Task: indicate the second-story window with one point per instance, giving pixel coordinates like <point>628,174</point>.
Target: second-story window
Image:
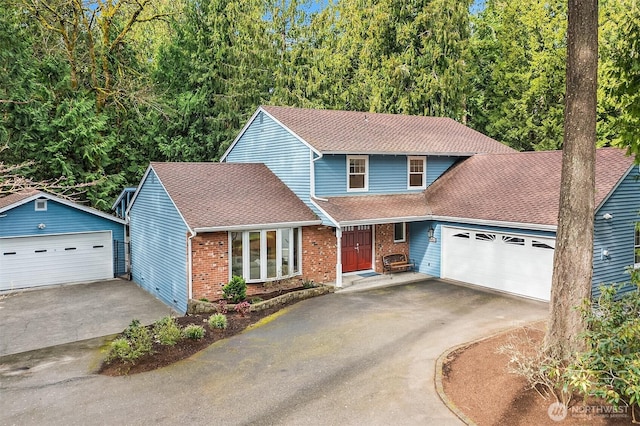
<point>357,179</point>
<point>417,176</point>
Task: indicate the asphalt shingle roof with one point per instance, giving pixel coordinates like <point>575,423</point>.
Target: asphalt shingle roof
<point>520,187</point>
<point>10,199</point>
<point>331,131</point>
<point>230,194</point>
<point>375,207</point>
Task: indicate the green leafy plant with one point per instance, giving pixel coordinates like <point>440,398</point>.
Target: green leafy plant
<point>193,332</point>
<point>610,368</point>
<point>136,342</point>
<point>243,308</point>
<point>308,284</point>
<point>166,331</point>
<point>235,290</point>
<point>218,321</point>
<point>255,300</point>
<point>203,299</point>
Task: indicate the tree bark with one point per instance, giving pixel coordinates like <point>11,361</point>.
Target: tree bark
<point>573,261</point>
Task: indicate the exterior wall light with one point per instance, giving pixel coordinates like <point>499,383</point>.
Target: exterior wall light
<point>42,226</point>
<point>607,216</point>
<point>431,232</point>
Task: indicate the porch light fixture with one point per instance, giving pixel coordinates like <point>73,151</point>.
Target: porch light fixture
<point>431,232</point>
<point>42,226</point>
<point>607,216</point>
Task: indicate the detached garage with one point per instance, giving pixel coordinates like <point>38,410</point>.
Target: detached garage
<point>46,240</point>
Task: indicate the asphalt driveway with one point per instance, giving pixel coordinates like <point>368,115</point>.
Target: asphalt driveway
<point>351,359</point>
<point>39,318</point>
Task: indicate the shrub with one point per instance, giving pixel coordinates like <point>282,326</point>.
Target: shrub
<point>203,299</point>
<point>193,332</point>
<point>255,300</point>
<point>136,342</point>
<point>308,284</point>
<point>167,331</point>
<point>218,321</point>
<point>235,290</point>
<point>222,307</point>
<point>610,368</point>
<point>243,308</point>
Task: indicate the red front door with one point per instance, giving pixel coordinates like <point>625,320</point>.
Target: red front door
<point>356,248</point>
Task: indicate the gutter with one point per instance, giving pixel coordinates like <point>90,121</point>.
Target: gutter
<point>255,226</point>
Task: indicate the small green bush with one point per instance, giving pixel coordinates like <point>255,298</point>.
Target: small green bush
<point>136,342</point>
<point>308,284</point>
<point>255,300</point>
<point>203,299</point>
<point>218,321</point>
<point>166,331</point>
<point>235,290</point>
<point>193,332</point>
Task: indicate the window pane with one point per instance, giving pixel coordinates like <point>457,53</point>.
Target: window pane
<point>357,165</point>
<point>272,267</point>
<point>416,166</point>
<point>356,181</point>
<point>398,231</point>
<point>415,179</point>
<point>254,255</point>
<point>236,254</point>
<point>286,234</point>
<point>296,260</point>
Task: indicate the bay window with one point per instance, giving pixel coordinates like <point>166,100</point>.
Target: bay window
<point>265,255</point>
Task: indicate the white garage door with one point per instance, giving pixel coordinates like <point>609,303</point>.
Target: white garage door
<point>55,259</point>
<point>518,264</point>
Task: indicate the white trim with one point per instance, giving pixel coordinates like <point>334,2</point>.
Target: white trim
<point>71,204</point>
<point>251,120</point>
<point>418,153</point>
<point>366,172</point>
<point>190,265</point>
<point>339,257</point>
<point>331,219</point>
<point>519,225</point>
<point>424,171</point>
<point>57,234</point>
<point>404,232</point>
<point>382,220</point>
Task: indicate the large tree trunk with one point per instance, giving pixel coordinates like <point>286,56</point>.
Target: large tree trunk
<point>573,262</point>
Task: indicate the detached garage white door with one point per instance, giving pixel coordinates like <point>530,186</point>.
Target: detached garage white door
<point>55,259</point>
<point>513,263</point>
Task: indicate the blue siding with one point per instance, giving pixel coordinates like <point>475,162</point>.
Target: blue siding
<point>387,174</point>
<point>58,218</point>
<point>265,141</point>
<point>436,166</point>
<point>428,255</point>
<point>617,234</point>
<point>159,245</point>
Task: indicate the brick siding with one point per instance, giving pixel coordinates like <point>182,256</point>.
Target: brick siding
<point>319,254</point>
<point>385,244</point>
<point>210,264</point>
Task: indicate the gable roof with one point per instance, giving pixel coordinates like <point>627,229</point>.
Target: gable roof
<point>219,196</point>
<point>347,132</point>
<point>12,201</point>
<point>521,188</point>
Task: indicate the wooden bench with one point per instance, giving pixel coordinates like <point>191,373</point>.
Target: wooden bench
<point>396,262</point>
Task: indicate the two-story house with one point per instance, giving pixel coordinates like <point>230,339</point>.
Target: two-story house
<point>319,194</point>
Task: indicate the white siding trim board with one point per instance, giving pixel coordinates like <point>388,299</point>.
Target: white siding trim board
<point>252,227</point>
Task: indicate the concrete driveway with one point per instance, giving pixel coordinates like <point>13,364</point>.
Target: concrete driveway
<point>39,318</point>
<point>352,359</point>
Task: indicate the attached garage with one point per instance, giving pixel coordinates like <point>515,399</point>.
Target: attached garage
<point>45,240</point>
<point>55,259</point>
<point>514,263</point>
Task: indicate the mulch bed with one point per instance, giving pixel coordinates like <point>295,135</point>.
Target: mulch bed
<point>476,380</point>
<point>163,355</point>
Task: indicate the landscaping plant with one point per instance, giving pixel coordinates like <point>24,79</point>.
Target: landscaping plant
<point>235,290</point>
<point>193,332</point>
<point>218,321</point>
<point>243,308</point>
<point>166,331</point>
<point>136,342</point>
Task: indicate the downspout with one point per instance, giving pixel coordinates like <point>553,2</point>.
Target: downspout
<point>190,264</point>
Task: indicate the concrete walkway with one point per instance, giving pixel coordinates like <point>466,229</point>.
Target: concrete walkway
<point>39,318</point>
<point>349,358</point>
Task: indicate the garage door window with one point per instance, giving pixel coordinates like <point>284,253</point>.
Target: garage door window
<point>516,241</point>
<point>540,244</point>
<point>485,237</point>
